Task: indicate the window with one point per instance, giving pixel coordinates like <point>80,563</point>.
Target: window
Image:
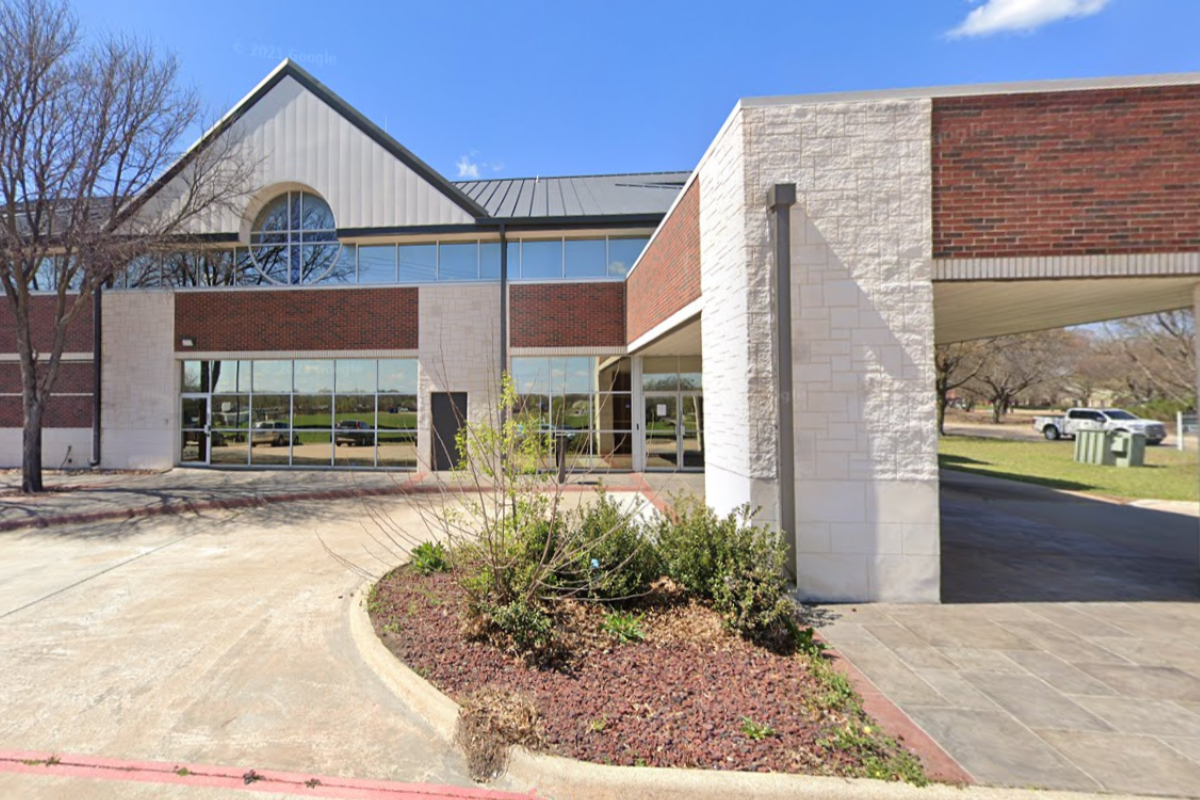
<point>550,259</point>
<point>294,240</point>
<point>584,401</point>
<point>303,412</point>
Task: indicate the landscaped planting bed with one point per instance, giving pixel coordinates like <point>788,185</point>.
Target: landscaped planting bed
<point>690,693</point>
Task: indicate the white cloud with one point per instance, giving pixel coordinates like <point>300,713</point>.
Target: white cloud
<point>995,16</point>
<point>466,167</point>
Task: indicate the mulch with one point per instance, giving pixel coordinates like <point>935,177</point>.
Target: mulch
<point>677,699</point>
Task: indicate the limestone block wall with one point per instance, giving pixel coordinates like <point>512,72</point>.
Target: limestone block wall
<point>459,351</point>
<point>140,402</point>
<point>69,448</point>
<point>739,398</point>
<point>862,338</point>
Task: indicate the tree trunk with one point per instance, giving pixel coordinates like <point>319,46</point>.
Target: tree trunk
<point>31,454</point>
<point>997,411</point>
<point>941,414</point>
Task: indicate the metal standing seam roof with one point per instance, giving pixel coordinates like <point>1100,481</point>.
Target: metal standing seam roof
<point>576,195</point>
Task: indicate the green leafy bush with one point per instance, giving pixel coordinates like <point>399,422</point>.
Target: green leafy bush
<point>615,560</point>
<point>732,563</point>
<point>430,557</point>
<point>529,627</point>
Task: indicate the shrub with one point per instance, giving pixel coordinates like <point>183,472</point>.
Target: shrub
<point>737,566</point>
<point>615,561</point>
<point>529,627</point>
<point>430,557</point>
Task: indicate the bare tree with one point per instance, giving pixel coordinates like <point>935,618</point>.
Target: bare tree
<point>1018,364</point>
<point>1161,348</point>
<point>957,364</point>
<point>87,134</point>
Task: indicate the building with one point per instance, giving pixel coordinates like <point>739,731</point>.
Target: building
<point>768,318</point>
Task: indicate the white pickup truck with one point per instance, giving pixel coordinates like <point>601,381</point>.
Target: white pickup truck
<point>1103,419</point>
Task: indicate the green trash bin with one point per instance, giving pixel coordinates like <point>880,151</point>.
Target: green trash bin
<point>1094,447</point>
<point>1129,449</point>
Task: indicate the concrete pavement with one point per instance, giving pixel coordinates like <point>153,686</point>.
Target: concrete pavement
<point>1067,655</point>
<point>216,638</point>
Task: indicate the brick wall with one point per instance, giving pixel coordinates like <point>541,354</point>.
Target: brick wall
<point>62,411</point>
<point>79,334</point>
<point>567,314</point>
<point>668,276</point>
<point>350,319</point>
<point>1067,173</point>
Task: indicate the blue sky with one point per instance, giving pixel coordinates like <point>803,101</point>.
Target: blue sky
<point>511,89</point>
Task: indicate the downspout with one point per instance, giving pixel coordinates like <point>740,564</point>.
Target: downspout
<point>503,301</point>
<point>97,373</point>
<point>780,199</point>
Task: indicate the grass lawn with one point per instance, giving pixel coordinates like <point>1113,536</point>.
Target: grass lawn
<point>1168,474</point>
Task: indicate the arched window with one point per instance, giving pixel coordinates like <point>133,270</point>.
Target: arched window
<point>294,240</point>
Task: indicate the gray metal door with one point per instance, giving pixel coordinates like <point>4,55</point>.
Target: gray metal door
<point>449,413</point>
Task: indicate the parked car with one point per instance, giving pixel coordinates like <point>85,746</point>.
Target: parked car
<point>1104,419</point>
<point>274,433</point>
<point>355,433</point>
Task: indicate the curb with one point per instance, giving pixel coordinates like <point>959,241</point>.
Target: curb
<point>568,779</point>
<point>195,506</point>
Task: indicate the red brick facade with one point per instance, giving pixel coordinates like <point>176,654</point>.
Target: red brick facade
<point>1067,173</point>
<point>668,276</point>
<point>345,319</point>
<point>567,314</point>
<point>42,307</point>
<point>62,411</point>
<point>74,377</point>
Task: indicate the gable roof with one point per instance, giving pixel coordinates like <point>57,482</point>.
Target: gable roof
<point>624,195</point>
<point>289,69</point>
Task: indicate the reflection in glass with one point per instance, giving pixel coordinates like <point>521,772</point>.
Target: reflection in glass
<point>355,376</point>
<point>312,448</point>
<point>229,447</point>
<point>397,412</point>
<point>231,411</point>
<point>358,409</point>
<point>660,374</point>
<point>623,254</point>
<point>417,263</point>
<point>272,376</point>
<point>458,261</point>
<point>377,264</point>
<point>273,408</point>
<point>585,258</point>
<point>540,259</point>
<point>398,375</point>
<point>312,411</point>
<point>489,260</point>
<point>314,376</point>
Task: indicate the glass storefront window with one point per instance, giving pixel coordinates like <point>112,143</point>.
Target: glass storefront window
<point>280,412</point>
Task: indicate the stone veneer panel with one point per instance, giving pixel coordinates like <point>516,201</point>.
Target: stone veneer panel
<point>459,352</point>
<point>862,337</point>
<point>140,401</point>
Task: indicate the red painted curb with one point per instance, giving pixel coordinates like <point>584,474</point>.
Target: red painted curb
<point>211,776</point>
<point>938,764</point>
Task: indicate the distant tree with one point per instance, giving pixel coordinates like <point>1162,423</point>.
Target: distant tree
<point>957,364</point>
<point>86,130</point>
<point>1161,350</point>
<point>1019,364</point>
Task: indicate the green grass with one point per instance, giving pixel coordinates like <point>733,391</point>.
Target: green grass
<point>1168,474</point>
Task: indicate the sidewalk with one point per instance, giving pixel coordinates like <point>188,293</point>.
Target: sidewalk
<point>84,496</point>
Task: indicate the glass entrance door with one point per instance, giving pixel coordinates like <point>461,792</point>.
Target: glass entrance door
<point>674,423</point>
<point>195,427</point>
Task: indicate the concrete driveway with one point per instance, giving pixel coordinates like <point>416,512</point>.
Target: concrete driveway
<point>219,638</point>
<point>1067,652</point>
